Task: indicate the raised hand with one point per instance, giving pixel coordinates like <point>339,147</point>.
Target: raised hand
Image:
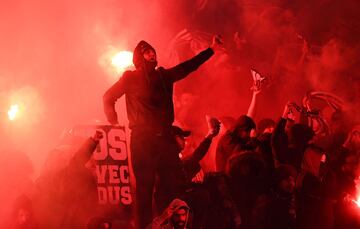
<point>289,111</point>
<point>97,136</point>
<point>258,81</point>
<point>213,126</point>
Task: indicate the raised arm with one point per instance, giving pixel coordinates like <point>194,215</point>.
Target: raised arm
<point>279,141</point>
<point>222,154</point>
<point>258,81</point>
<point>82,156</point>
<point>191,163</point>
<point>161,219</point>
<point>180,71</point>
<point>253,104</point>
<point>111,96</point>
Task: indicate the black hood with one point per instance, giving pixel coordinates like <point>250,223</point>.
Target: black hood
<point>138,58</point>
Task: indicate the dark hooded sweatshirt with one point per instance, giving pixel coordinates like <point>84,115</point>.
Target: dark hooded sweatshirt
<point>149,92</point>
<point>164,221</point>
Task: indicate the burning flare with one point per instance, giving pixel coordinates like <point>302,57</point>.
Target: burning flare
<point>122,60</point>
<point>13,112</point>
<point>357,201</point>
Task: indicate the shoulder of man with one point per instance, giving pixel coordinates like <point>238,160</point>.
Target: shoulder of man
<point>129,75</point>
<point>161,69</point>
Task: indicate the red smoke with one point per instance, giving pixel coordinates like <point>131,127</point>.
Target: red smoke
<point>50,54</point>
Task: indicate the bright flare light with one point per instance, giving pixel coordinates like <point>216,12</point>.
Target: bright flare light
<point>13,112</point>
<point>122,60</point>
<point>357,185</point>
<point>357,202</point>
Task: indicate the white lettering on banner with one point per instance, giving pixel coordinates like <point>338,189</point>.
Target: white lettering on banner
<point>117,174</point>
<point>124,174</point>
<point>102,195</point>
<point>116,138</point>
<point>100,173</point>
<point>113,178</point>
<point>126,194</point>
<point>117,149</point>
<point>112,169</point>
<point>114,195</point>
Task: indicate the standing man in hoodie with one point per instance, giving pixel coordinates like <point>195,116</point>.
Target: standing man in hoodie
<point>150,110</point>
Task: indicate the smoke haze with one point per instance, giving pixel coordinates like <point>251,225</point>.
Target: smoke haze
<point>52,63</point>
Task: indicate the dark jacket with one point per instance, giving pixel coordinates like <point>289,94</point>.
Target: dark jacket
<point>189,168</point>
<point>274,211</point>
<point>70,192</point>
<point>149,94</point>
<point>191,163</point>
<point>164,221</point>
<point>223,212</point>
<point>228,145</point>
<point>284,152</point>
<point>79,193</point>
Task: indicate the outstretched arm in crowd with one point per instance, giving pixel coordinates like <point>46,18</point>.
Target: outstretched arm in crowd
<point>161,219</point>
<point>191,163</point>
<point>85,152</point>
<point>77,179</point>
<point>180,71</point>
<point>253,104</point>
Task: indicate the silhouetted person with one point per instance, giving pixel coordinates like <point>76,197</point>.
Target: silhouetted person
<point>23,215</point>
<point>193,193</point>
<point>70,191</point>
<point>149,93</point>
<point>190,164</point>
<point>289,147</point>
<point>277,208</point>
<point>344,171</point>
<point>235,140</point>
